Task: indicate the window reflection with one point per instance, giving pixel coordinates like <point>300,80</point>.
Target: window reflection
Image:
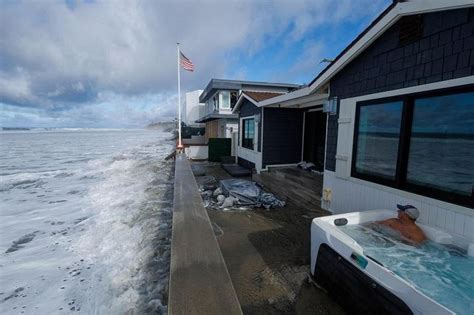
<point>378,139</point>
<point>442,143</point>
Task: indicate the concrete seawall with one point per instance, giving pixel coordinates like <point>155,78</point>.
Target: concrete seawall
<point>199,280</point>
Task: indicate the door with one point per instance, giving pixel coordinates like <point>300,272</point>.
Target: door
<point>314,138</point>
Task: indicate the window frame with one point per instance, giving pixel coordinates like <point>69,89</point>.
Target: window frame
<point>400,181</point>
<point>243,143</point>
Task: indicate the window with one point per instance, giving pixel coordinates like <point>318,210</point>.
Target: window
<point>224,99</point>
<point>248,133</point>
<point>419,143</point>
<point>441,154</point>
<point>378,134</point>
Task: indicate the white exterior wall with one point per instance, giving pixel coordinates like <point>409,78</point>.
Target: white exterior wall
<point>194,109</point>
<point>226,127</point>
<point>348,194</point>
<point>247,154</point>
<point>197,152</point>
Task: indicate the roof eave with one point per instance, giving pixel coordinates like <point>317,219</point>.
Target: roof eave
<point>390,16</point>
<point>285,97</point>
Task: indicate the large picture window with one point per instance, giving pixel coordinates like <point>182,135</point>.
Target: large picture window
<point>419,143</point>
<point>248,133</point>
<point>378,134</point>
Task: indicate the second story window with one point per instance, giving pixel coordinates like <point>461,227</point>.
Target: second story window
<point>224,99</point>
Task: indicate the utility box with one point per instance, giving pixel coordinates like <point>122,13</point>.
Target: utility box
<point>219,147</point>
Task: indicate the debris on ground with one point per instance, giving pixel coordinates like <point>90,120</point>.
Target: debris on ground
<point>237,193</point>
<point>307,166</point>
<point>207,183</point>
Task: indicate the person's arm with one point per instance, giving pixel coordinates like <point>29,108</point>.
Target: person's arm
<point>388,222</point>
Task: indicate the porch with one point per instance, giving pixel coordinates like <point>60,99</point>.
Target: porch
<point>294,185</point>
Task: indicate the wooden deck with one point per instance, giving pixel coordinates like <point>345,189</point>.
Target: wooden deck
<point>199,280</point>
<point>302,188</point>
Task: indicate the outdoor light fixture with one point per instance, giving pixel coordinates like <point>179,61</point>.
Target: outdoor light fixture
<point>330,106</point>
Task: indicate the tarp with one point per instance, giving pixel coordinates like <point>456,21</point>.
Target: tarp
<point>249,193</point>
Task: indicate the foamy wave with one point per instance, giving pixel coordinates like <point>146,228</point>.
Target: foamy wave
<point>123,243</point>
<point>90,235</point>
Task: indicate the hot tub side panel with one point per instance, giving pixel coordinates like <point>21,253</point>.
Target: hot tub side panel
<point>351,288</point>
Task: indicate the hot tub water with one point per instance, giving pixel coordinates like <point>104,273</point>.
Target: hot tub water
<point>443,272</point>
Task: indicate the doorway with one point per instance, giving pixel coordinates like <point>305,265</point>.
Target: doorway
<point>315,138</point>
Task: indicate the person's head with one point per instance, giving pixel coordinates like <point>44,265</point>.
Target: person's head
<point>408,212</point>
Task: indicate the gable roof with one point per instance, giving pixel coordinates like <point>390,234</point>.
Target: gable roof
<point>221,84</point>
<point>254,98</point>
<point>384,21</point>
<point>261,96</point>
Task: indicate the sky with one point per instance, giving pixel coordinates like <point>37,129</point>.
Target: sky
<point>112,64</point>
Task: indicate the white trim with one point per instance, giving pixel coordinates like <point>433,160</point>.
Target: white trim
<point>289,96</point>
<point>248,154</point>
<point>414,196</point>
<point>319,109</point>
<point>302,138</point>
<point>401,9</point>
<point>345,141</point>
<point>278,165</point>
<point>255,135</point>
<point>326,142</point>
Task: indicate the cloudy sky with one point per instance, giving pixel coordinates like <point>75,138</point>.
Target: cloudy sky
<point>113,63</point>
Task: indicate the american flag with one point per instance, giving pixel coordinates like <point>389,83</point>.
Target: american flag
<point>185,62</point>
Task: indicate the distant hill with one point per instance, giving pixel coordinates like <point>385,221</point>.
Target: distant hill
<point>165,126</point>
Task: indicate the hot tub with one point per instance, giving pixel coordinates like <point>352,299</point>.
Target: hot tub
<point>362,282</point>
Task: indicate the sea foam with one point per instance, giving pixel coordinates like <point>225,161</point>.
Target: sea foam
<point>88,228</point>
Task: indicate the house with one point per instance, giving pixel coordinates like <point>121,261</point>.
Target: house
<point>394,112</point>
<point>220,97</point>
<point>275,133</point>
<point>194,109</point>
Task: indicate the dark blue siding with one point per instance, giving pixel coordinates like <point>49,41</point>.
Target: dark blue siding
<point>445,50</point>
<point>282,136</point>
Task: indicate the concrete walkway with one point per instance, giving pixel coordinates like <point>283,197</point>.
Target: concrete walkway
<point>199,280</point>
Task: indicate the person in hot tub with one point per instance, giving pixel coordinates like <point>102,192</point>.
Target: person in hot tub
<point>405,224</point>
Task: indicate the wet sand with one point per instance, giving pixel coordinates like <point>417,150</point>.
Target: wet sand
<point>267,256</point>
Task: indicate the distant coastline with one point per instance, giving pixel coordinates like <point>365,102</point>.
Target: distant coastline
<point>15,128</point>
<point>165,126</point>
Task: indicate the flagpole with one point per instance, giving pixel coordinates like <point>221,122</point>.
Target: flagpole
<point>180,145</point>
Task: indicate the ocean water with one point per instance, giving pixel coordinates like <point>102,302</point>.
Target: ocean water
<point>85,221</point>
<point>444,273</point>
